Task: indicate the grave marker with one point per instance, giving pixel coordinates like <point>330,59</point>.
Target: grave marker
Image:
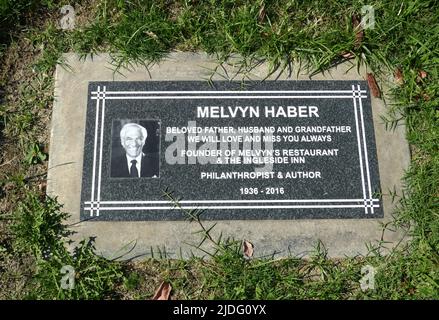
<point>268,150</point>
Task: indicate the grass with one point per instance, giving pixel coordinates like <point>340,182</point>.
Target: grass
<point>316,33</point>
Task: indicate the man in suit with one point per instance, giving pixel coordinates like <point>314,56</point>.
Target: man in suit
<point>134,163</point>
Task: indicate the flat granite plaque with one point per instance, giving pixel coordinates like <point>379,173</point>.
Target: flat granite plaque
<point>236,150</point>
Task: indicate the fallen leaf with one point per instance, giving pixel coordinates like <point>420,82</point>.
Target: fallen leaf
<point>45,149</point>
<point>248,249</point>
<point>8,186</point>
<point>422,74</point>
<point>359,36</point>
<point>399,78</point>
<point>163,292</point>
<point>151,34</point>
<point>261,15</point>
<point>355,20</point>
<point>347,55</point>
<point>426,97</point>
<point>42,187</point>
<point>373,85</point>
<point>359,32</point>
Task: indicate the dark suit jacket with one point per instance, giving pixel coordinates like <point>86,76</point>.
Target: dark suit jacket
<point>149,166</point>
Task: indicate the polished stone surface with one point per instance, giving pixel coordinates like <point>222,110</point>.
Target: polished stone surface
<point>330,175</point>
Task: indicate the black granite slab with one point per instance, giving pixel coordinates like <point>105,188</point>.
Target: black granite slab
<point>332,174</point>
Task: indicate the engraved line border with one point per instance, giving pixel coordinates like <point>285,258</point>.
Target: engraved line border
<point>360,156</point>
<point>94,152</point>
<point>366,159</point>
<point>233,201</point>
<point>103,97</point>
<point>230,207</point>
<point>221,97</point>
<point>228,92</point>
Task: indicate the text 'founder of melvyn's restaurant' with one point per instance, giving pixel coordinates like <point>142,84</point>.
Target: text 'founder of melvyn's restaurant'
<point>257,111</point>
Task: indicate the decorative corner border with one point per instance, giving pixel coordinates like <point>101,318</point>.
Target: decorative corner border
<point>95,205</point>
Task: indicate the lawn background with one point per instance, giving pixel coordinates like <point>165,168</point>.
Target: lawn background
<point>403,42</point>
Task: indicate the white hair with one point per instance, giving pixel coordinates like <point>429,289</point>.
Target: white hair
<point>126,126</point>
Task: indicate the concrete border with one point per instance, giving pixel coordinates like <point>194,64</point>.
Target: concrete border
<point>136,239</point>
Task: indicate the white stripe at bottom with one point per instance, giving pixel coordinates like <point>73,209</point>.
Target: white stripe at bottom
<point>229,207</point>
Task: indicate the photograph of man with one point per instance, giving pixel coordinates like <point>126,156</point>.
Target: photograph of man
<point>133,163</point>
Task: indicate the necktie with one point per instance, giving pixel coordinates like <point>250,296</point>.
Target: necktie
<point>133,170</point>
